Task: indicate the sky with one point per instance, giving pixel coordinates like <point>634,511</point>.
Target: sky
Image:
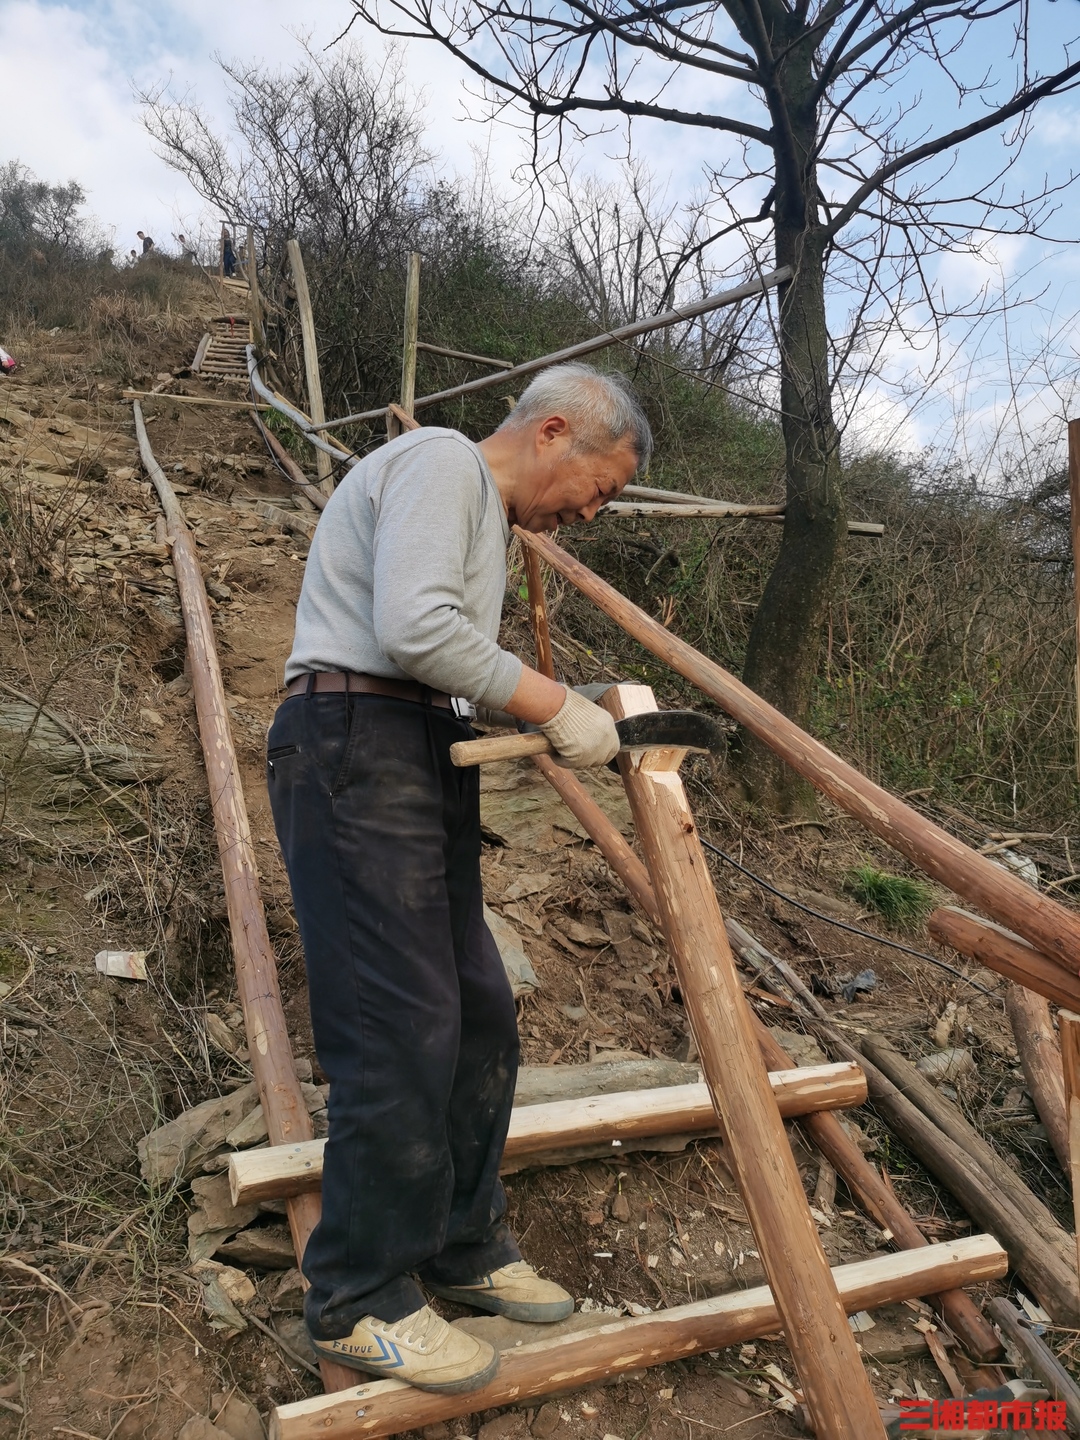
<point>70,70</point>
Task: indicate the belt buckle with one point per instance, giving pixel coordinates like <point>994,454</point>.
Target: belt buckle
<point>462,708</point>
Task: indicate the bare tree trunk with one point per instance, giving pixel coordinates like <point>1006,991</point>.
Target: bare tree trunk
<point>785,639</point>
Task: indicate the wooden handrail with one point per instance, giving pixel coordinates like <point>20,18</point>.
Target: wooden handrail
<point>287,1118</point>
<point>1047,925</point>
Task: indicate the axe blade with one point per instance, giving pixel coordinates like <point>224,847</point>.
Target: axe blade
<point>684,729</point>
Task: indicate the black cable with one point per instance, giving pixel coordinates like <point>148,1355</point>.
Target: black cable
<point>842,924</point>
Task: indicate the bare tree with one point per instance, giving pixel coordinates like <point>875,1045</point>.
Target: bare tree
<point>826,137</point>
<point>630,251</point>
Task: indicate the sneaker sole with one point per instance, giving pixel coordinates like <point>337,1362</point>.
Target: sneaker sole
<point>449,1387</point>
<point>529,1312</point>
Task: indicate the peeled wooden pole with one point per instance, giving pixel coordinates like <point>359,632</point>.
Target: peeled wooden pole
<point>388,1407</point>
<point>287,1118</point>
<point>412,320</point>
<point>959,1310</point>
<point>950,1121</point>
<point>311,360</point>
<point>1002,951</point>
<point>271,1174</point>
<point>292,470</point>
<point>1070,1059</point>
<point>534,581</point>
<point>1038,1356</point>
<point>1040,1057</point>
<point>836,1387</point>
<point>577,799</point>
<point>1039,1249</point>
<point>258,333</point>
<point>1051,928</point>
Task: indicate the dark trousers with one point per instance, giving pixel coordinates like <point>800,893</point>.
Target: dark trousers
<point>411,1009</point>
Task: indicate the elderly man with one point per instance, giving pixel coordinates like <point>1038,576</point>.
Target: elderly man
<point>414,1024</point>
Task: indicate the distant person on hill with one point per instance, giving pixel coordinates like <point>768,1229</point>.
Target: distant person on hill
<point>187,250</point>
<point>228,255</point>
<point>147,242</point>
<point>133,256</point>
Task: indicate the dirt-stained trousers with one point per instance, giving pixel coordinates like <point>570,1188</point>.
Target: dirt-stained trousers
<point>412,1014</point>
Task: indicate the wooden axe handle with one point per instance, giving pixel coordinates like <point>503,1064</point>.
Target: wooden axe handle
<point>499,747</point>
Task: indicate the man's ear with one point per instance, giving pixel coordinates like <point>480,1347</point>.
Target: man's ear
<point>555,427</point>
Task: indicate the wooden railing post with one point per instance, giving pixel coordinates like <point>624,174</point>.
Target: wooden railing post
<point>407,402</point>
<point>258,332</point>
<point>834,1383</point>
<point>313,380</point>
<point>1069,1027</point>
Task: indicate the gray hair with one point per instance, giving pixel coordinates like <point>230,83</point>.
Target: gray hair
<point>602,409</point>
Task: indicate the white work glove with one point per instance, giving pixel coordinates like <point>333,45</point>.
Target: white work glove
<point>582,734</point>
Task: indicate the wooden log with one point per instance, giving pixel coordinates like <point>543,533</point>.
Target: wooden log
<point>272,1062</point>
<point>312,377</point>
<point>667,497</point>
<point>255,312</point>
<point>719,510</point>
<point>1045,1265</point>
<point>544,1084</point>
<point>1036,1354</point>
<point>1048,926</point>
<point>1070,1061</point>
<point>836,1388</point>
<point>603,833</point>
<point>947,1117</point>
<point>200,353</point>
<point>693,510</point>
<point>1002,951</point>
<point>296,521</point>
<point>534,1129</point>
<point>389,1407</point>
<point>403,420</point>
<point>1040,1057</point>
<point>589,347</point>
<point>538,616</point>
<point>195,400</point>
<point>464,355</point>
<point>408,348</point>
<point>292,470</point>
<point>958,1310</point>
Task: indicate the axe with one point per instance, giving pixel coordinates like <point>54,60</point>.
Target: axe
<point>672,729</point>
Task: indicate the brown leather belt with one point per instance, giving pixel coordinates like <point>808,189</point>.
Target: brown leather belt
<point>343,682</point>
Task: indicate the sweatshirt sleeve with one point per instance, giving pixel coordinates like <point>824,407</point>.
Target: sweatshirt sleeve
<point>428,512</point>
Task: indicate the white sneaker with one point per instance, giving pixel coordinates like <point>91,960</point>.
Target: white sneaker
<point>515,1291</point>
<point>421,1349</point>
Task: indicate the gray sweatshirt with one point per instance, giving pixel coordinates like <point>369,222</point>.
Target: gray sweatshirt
<point>407,571</point>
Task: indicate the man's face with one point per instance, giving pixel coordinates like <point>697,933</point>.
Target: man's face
<point>564,487</point>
